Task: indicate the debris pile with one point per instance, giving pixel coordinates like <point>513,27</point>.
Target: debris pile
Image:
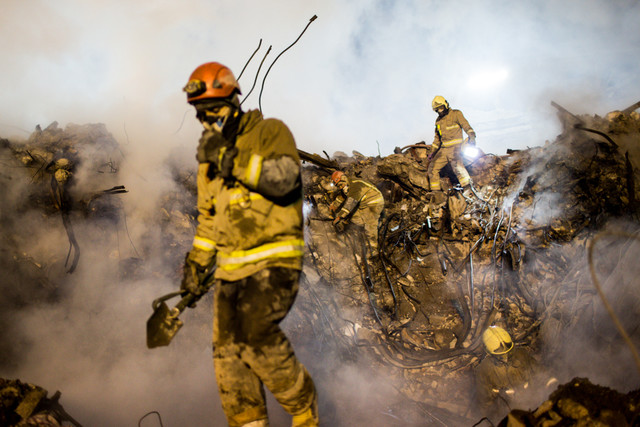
<point>511,252</point>
<point>580,402</point>
<point>23,404</point>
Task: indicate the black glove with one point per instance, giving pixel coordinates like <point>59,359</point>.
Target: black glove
<point>472,141</point>
<point>192,275</point>
<point>219,152</point>
<point>210,145</point>
<point>226,163</point>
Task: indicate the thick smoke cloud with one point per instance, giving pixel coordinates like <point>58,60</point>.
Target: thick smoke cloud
<point>361,77</point>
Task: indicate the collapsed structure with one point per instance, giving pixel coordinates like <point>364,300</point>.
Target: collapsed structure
<point>514,253</point>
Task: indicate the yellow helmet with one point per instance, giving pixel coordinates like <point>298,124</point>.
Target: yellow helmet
<point>439,101</point>
<point>496,340</point>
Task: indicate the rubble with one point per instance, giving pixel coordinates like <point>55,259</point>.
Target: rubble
<point>23,404</point>
<point>580,402</point>
<point>512,252</point>
<point>503,255</point>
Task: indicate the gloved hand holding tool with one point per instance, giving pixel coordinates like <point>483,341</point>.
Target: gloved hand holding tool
<point>164,324</point>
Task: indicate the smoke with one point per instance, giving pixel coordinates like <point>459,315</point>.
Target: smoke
<point>360,78</point>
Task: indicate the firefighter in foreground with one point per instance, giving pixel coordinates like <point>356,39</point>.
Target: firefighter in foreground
<point>358,202</point>
<point>448,143</point>
<point>250,228</point>
<point>504,373</point>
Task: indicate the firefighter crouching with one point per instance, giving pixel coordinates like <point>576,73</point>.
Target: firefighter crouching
<point>357,202</point>
<point>250,227</point>
<point>448,143</point>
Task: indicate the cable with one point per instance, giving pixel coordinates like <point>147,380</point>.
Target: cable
<point>256,77</point>
<point>149,413</point>
<point>249,60</point>
<point>313,18</point>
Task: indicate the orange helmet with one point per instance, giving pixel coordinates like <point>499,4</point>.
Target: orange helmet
<point>335,177</point>
<point>211,80</point>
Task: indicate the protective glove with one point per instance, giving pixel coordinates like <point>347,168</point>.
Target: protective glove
<point>472,141</point>
<point>226,163</point>
<point>339,224</point>
<point>209,147</point>
<point>219,152</point>
<point>192,275</point>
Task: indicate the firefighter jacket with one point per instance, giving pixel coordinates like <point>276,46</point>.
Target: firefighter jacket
<point>255,221</point>
<point>449,129</point>
<point>360,195</point>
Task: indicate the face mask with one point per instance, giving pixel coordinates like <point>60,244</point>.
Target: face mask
<point>215,118</point>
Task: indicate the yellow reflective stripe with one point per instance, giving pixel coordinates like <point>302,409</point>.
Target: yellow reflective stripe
<point>239,196</point>
<point>221,154</point>
<point>452,142</point>
<point>237,259</point>
<point>253,171</point>
<point>204,244</point>
<point>376,199</point>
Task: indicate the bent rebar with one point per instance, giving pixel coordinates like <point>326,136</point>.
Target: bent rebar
<point>313,18</point>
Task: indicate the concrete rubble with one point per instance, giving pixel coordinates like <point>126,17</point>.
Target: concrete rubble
<point>514,252</point>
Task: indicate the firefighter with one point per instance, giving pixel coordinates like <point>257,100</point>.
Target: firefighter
<point>504,373</point>
<point>357,202</point>
<point>448,143</point>
<point>250,228</point>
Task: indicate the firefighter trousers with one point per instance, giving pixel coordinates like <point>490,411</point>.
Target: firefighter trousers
<point>453,156</point>
<point>369,218</point>
<point>251,351</point>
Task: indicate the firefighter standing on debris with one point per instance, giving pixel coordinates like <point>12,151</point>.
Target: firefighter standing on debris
<point>250,228</point>
<point>503,373</point>
<point>448,143</point>
<point>358,202</point>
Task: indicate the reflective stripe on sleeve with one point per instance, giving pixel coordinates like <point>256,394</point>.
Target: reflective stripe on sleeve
<point>237,259</point>
<point>204,244</point>
<point>376,200</point>
<point>253,171</point>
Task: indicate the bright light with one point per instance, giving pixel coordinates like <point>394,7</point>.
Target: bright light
<point>307,208</point>
<point>488,79</point>
<point>470,152</point>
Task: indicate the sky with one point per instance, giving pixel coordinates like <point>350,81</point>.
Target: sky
<point>361,78</point>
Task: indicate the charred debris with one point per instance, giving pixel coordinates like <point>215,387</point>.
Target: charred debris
<point>514,252</point>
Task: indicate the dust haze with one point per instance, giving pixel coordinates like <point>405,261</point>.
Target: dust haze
<point>361,78</point>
